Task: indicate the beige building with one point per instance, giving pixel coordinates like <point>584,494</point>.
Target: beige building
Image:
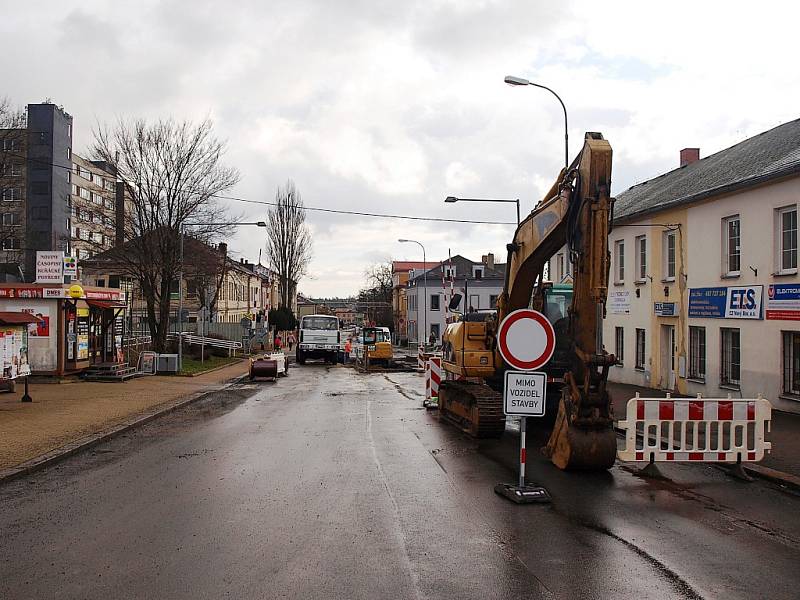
<point>402,271</point>
<point>704,293</point>
<point>94,212</point>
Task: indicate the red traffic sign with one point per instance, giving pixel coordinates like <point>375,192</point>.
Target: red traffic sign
<point>526,339</point>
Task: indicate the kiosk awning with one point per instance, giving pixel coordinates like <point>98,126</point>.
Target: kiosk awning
<point>106,304</point>
<point>16,318</point>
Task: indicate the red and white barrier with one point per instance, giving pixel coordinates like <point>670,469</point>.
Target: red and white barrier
<point>696,430</point>
<point>433,377</point>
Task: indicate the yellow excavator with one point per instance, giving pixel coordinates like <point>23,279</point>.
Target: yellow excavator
<point>577,211</point>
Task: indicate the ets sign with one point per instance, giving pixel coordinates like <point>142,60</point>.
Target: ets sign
<point>524,393</point>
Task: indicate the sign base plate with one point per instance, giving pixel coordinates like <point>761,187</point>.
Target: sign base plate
<point>528,494</point>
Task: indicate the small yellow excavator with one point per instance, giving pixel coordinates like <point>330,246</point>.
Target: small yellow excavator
<point>577,211</point>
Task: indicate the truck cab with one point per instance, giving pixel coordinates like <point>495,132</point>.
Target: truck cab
<point>320,337</point>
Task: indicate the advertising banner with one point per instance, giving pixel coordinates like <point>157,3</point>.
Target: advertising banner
<point>783,302</point>
<point>734,302</point>
<point>49,267</point>
<point>42,327</point>
<point>619,303</point>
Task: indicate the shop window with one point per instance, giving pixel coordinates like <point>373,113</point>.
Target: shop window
<point>730,351</point>
<point>791,363</point>
<point>640,349</point>
<point>697,353</point>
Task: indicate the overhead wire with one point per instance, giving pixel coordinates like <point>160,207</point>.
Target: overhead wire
<point>313,208</point>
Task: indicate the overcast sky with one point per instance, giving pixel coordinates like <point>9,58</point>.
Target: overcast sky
<point>392,106</point>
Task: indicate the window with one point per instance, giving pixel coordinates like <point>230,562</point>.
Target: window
<point>110,185</point>
<point>641,258</point>
<point>85,194</point>
<point>435,329</point>
<point>449,272</point>
<point>73,189</point>
<point>791,363</point>
<point>11,194</point>
<point>85,173</point>
<point>560,267</point>
<point>492,301</point>
<point>477,272</point>
<point>474,302</point>
<point>109,203</point>
<point>697,353</point>
<point>412,302</point>
<point>97,198</point>
<point>11,243</point>
<point>669,256</point>
<point>640,355</point>
<point>787,240</point>
<point>10,219</point>
<point>731,243</point>
<point>83,253</point>
<point>10,144</point>
<point>619,260</point>
<point>84,234</point>
<point>619,344</point>
<point>97,179</point>
<point>73,232</point>
<point>16,169</point>
<point>434,301</point>
<point>731,357</point>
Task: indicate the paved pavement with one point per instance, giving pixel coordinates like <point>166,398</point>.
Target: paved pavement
<point>785,434</point>
<point>63,413</point>
<point>334,484</point>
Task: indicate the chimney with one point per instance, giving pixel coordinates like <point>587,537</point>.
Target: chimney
<point>223,248</point>
<point>488,260</point>
<point>689,155</point>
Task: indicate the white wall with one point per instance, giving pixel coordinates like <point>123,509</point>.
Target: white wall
<point>42,351</point>
<point>761,352</point>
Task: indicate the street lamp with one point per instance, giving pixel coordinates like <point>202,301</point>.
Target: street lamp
<point>511,80</point>
<point>451,199</point>
<point>180,276</point>
<point>425,286</point>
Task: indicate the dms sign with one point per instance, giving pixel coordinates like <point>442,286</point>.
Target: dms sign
<point>741,302</point>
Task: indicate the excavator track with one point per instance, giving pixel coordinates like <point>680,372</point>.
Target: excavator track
<point>474,408</point>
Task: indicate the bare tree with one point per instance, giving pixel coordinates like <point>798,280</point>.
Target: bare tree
<point>288,241</point>
<point>12,182</point>
<point>375,298</point>
<point>172,171</point>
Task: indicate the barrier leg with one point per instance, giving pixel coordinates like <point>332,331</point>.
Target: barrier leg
<point>737,471</point>
<point>651,470</point>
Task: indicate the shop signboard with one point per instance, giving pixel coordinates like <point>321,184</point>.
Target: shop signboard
<point>783,302</point>
<point>733,302</point>
<point>665,309</point>
<point>619,302</point>
<point>49,267</point>
<point>71,266</point>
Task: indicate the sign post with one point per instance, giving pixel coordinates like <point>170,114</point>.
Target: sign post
<point>526,341</point>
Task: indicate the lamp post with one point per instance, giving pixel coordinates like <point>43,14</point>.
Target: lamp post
<point>511,80</point>
<point>452,199</point>
<point>182,231</point>
<point>425,286</point>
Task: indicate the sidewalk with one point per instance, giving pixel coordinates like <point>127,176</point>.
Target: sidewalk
<point>785,434</point>
<point>64,413</point>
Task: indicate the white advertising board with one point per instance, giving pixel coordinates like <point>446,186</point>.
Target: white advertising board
<point>524,393</point>
<point>619,302</point>
<point>49,267</point>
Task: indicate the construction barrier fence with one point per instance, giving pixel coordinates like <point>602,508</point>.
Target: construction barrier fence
<point>696,430</point>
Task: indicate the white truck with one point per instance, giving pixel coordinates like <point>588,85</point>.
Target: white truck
<point>320,337</point>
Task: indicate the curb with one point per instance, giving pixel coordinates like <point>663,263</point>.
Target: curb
<point>772,475</point>
<point>72,448</point>
<point>220,367</point>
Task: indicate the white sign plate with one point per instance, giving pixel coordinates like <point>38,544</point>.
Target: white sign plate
<point>524,393</point>
<point>49,267</point>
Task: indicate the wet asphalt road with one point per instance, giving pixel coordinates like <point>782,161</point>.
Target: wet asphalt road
<point>331,484</point>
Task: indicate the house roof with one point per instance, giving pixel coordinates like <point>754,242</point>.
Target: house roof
<point>770,155</point>
<point>407,265</point>
<point>463,267</point>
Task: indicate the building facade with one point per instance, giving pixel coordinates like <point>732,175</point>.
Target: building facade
<point>704,293</point>
<point>402,271</point>
<point>429,294</point>
<point>94,210</point>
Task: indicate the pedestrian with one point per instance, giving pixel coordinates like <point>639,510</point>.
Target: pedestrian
<point>348,347</point>
<point>278,342</point>
<point>291,341</point>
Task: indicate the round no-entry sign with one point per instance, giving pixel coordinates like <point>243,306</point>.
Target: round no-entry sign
<point>526,339</point>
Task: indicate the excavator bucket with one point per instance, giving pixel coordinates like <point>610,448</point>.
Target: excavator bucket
<point>579,448</point>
